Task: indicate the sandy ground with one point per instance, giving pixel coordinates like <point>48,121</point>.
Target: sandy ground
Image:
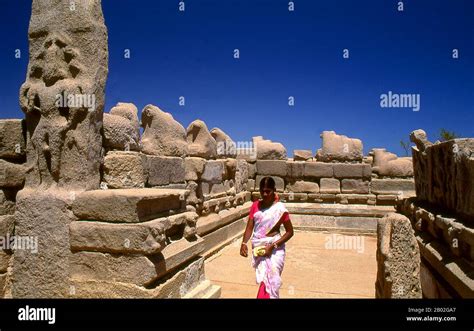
<point>317,265</point>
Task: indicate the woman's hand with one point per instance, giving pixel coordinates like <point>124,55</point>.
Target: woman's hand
<point>268,250</point>
<point>243,250</point>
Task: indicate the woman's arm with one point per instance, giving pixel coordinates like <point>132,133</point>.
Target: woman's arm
<point>288,234</point>
<point>247,234</point>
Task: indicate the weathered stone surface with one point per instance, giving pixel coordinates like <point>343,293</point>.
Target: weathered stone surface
<point>164,170</point>
<point>444,176</point>
<point>180,284</point>
<point>279,183</point>
<point>293,197</point>
<point>214,171</point>
<point>269,150</point>
<point>210,190</point>
<point>241,176</point>
<point>194,167</point>
<point>3,282</point>
<point>163,135</point>
<point>138,270</point>
<point>126,205</point>
<point>7,201</point>
<point>7,224</point>
<point>330,185</point>
<point>122,128</point>
<point>344,170</point>
<point>392,186</point>
<point>4,261</point>
<point>251,185</point>
<point>124,170</point>
<point>365,199</point>
<point>389,164</point>
<point>295,170</point>
<point>272,167</point>
<point>398,259</point>
<point>226,147</point>
<point>252,170</point>
<point>318,170</point>
<point>338,209</point>
<point>419,138</point>
<point>355,186</point>
<point>322,197</point>
<point>339,148</point>
<point>302,155</point>
<point>200,141</point>
<point>129,111</point>
<point>301,186</point>
<point>230,168</point>
<point>12,175</point>
<point>42,272</point>
<point>214,221</point>
<point>140,238</point>
<point>12,139</point>
<point>194,196</point>
<point>67,65</point>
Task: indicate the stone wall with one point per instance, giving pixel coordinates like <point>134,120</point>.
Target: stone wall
<point>173,196</point>
<point>12,179</point>
<point>441,215</point>
<point>119,214</point>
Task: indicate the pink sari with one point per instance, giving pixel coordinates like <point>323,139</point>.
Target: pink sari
<point>268,269</point>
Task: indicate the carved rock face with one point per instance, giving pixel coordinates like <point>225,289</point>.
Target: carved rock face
<point>121,128</point>
<point>63,95</point>
<point>339,148</point>
<point>226,147</point>
<point>200,141</point>
<point>163,135</point>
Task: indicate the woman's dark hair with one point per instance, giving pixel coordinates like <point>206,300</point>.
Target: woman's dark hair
<point>267,182</point>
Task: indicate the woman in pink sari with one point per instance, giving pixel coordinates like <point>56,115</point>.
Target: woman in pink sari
<point>265,219</point>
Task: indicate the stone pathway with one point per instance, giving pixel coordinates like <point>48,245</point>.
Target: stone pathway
<point>311,270</point>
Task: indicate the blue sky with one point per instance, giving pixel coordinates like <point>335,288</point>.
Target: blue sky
<point>282,54</point>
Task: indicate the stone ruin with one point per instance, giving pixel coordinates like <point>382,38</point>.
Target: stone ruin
<point>441,224</point>
<point>117,214</point>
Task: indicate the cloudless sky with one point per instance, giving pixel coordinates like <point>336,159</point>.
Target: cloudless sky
<point>282,54</point>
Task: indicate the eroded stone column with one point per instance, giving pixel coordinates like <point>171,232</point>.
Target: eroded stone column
<point>63,101</point>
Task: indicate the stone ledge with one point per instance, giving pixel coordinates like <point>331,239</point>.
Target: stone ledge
<point>338,209</point>
<point>205,290</point>
<point>214,241</point>
<point>145,238</point>
<point>451,268</point>
<point>134,269</point>
<point>176,286</point>
<point>212,222</point>
<point>127,205</point>
<point>341,223</point>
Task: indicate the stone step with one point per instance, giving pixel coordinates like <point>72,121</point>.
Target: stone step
<point>205,290</point>
<point>338,209</point>
<point>212,222</point>
<point>134,269</point>
<point>350,224</point>
<point>216,240</point>
<point>127,205</point>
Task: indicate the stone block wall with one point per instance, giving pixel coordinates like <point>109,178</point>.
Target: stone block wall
<point>442,216</point>
<point>335,181</point>
<point>12,179</point>
<point>173,196</point>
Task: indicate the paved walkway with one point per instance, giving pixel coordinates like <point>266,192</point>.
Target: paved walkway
<point>311,269</point>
